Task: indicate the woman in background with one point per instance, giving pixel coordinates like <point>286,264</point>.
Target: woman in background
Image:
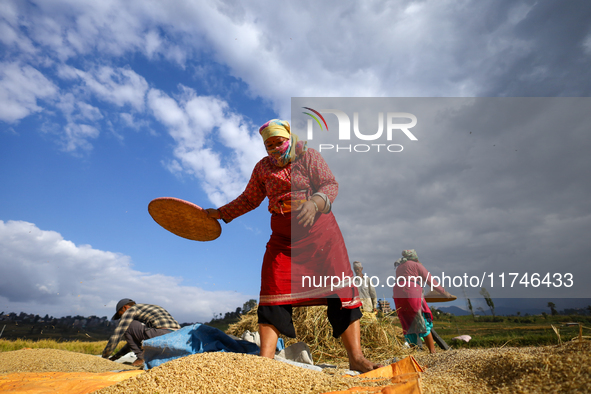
<point>415,316</point>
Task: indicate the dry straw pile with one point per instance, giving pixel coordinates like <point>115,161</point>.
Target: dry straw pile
<point>380,338</point>
<point>215,373</point>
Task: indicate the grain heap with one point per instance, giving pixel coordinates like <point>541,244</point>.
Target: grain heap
<point>222,372</point>
<point>380,339</point>
<point>509,370</point>
<point>53,360</point>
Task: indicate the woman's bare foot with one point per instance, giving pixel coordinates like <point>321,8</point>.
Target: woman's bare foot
<point>351,341</point>
<point>362,365</point>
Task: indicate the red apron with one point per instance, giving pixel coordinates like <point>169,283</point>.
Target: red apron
<point>301,264</point>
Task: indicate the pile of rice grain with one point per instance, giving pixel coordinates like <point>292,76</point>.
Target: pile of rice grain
<point>222,372</point>
<point>545,369</point>
<point>54,360</point>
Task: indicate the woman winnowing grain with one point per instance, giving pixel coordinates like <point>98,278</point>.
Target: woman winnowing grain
<point>412,309</point>
<point>305,242</point>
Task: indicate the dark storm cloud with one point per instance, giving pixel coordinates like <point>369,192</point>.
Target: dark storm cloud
<point>527,48</point>
<point>556,62</point>
<point>491,185</point>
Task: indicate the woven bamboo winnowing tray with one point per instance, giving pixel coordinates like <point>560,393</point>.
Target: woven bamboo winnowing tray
<point>184,219</point>
<point>434,296</point>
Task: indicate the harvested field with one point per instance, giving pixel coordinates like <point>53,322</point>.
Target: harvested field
<point>544,369</point>
<point>53,360</point>
<point>232,373</point>
<point>380,339</point>
<point>547,369</point>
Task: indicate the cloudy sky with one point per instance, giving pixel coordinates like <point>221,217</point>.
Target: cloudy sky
<point>107,105</point>
<point>485,189</point>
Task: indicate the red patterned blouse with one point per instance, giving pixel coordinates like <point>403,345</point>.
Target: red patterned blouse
<point>299,180</point>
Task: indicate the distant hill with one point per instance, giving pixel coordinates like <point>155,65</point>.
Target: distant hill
<point>501,311</point>
<point>506,311</point>
<point>454,310</point>
<point>529,306</point>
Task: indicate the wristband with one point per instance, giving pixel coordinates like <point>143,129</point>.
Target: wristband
<point>314,202</point>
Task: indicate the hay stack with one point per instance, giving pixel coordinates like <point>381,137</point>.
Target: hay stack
<point>380,338</point>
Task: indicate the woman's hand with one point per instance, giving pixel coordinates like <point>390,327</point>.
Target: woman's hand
<point>307,213</point>
<point>213,213</point>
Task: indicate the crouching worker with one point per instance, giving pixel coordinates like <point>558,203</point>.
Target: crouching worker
<point>138,322</point>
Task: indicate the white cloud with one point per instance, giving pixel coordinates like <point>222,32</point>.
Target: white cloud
<point>13,40</point>
<point>120,86</point>
<point>21,86</point>
<point>88,111</point>
<point>587,44</point>
<point>136,123</point>
<point>42,271</point>
<point>305,49</point>
<point>197,123</point>
<point>262,43</point>
<point>378,48</point>
<point>68,29</point>
<point>76,137</point>
<point>75,109</point>
<point>153,43</point>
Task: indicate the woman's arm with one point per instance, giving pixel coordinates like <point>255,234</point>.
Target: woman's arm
<point>251,198</point>
<point>322,179</point>
<point>424,273</point>
<point>309,209</point>
<point>324,187</point>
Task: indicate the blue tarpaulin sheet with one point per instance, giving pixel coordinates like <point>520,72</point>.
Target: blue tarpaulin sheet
<point>197,338</point>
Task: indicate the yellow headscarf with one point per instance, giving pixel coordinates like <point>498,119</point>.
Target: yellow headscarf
<point>281,128</point>
<point>275,128</point>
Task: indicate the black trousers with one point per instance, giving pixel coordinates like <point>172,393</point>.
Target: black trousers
<point>137,332</point>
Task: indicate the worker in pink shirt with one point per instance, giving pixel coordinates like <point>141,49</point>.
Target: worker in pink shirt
<point>414,313</point>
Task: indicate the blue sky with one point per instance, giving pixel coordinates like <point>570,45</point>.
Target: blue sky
<point>107,105</point>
